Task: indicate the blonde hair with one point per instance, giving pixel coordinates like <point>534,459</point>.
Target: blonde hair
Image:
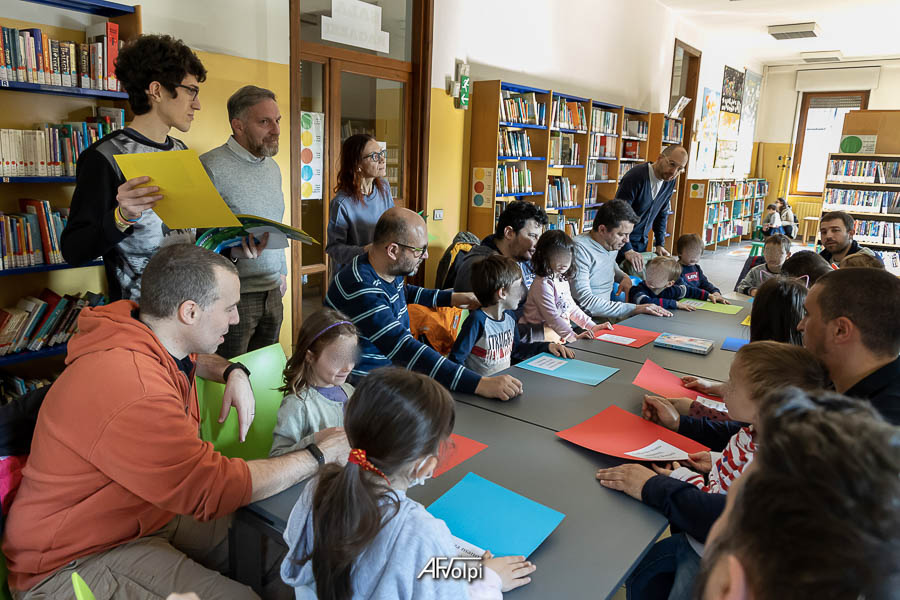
<point>861,259</point>
<point>667,265</point>
<point>768,366</point>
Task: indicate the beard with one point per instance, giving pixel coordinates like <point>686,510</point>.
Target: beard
<point>407,269</point>
<point>264,149</point>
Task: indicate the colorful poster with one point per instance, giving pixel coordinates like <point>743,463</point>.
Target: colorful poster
<point>312,151</point>
<point>726,150</point>
<point>482,187</point>
<point>729,118</point>
<point>729,124</point>
<point>749,109</point>
<point>707,131</point>
<point>732,90</point>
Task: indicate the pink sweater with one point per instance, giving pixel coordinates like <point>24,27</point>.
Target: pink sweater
<point>550,302</point>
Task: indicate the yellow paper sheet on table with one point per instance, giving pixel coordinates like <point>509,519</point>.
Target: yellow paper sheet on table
<point>746,321</point>
<point>189,197</point>
<point>728,309</point>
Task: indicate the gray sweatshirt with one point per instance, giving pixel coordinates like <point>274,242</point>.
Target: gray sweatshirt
<point>351,224</point>
<point>596,272</point>
<point>754,278</point>
<point>301,415</point>
<point>252,186</point>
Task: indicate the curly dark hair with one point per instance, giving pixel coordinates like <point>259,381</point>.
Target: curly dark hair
<point>150,58</point>
<point>553,243</point>
<point>349,179</point>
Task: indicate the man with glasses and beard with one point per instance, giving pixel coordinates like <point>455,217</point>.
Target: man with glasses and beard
<point>372,292</point>
<point>249,180</point>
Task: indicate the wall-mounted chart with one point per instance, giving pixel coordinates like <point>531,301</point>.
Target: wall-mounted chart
<point>312,150</point>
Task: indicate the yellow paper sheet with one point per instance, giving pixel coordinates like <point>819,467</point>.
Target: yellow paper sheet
<point>189,197</point>
<point>746,321</point>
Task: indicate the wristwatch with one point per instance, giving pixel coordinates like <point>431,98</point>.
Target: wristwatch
<point>232,367</point>
<point>317,454</point>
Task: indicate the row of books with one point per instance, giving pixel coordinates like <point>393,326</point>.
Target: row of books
<point>52,149</point>
<point>725,191</point>
<point>863,171</point>
<point>718,213</point>
<point>513,178</point>
<point>594,194</point>
<point>41,322</point>
<point>636,128</point>
<point>560,192</point>
<point>589,215</point>
<point>567,114</point>
<point>631,149</point>
<point>598,169</point>
<point>877,232</point>
<point>603,121</point>
<point>564,149</point>
<point>672,130</point>
<point>521,108</point>
<point>514,143</point>
<point>561,221</point>
<point>31,237</point>
<point>625,167</point>
<point>743,209</point>
<point>30,56</point>
<point>13,386</point>
<point>602,145</point>
<point>869,201</point>
<point>891,260</point>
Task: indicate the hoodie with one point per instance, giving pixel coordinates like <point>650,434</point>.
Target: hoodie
<point>387,568</point>
<point>116,453</point>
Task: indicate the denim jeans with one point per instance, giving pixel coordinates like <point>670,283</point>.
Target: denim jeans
<point>667,571</point>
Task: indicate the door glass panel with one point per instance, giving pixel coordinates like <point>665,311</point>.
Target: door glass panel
<point>375,106</point>
<point>396,21</point>
<point>314,190</point>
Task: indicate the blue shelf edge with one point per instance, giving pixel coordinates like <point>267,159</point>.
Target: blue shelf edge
<point>521,125</point>
<point>564,207</point>
<point>63,179</point>
<point>566,167</point>
<point>605,104</point>
<point>514,87</point>
<point>601,180</point>
<point>43,268</point>
<point>101,8</point>
<point>634,111</point>
<point>595,205</point>
<point>61,90</point>
<point>565,130</point>
<point>520,194</point>
<point>11,359</point>
<point>520,158</point>
<point>603,158</point>
<point>570,97</point>
<point>604,133</point>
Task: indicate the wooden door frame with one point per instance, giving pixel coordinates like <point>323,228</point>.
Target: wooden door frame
<point>692,84</point>
<point>797,155</point>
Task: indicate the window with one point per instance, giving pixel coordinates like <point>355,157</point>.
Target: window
<point>818,134</point>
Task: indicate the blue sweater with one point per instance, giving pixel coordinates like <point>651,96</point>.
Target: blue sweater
<point>652,212</point>
<point>378,309</point>
<point>667,298</point>
<point>692,276</point>
<point>487,346</point>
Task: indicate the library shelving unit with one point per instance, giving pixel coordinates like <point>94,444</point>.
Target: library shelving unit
<point>567,158</point>
<point>28,103</point>
<point>867,186</point>
<point>665,131</point>
<point>723,211</point>
<point>603,158</point>
<point>635,135</point>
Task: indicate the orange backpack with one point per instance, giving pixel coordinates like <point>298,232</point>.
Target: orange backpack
<point>437,327</point>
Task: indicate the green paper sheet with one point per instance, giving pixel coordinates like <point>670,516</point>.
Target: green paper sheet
<point>725,309</point>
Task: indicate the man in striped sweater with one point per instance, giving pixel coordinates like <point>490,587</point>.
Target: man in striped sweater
<point>372,292</point>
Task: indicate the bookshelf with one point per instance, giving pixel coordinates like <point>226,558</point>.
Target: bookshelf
<point>26,104</point>
<point>723,211</point>
<point>867,186</point>
<point>664,131</point>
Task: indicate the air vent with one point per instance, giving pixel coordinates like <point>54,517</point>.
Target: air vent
<point>794,31</point>
<point>822,57</point>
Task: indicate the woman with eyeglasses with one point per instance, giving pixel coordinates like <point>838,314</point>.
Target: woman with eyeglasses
<point>361,196</point>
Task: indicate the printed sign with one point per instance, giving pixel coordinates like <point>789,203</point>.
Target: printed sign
<point>312,150</point>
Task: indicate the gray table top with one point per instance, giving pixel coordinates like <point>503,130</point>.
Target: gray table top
<point>603,536</point>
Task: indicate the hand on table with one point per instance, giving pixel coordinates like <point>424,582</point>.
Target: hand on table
<point>703,386</point>
<point>659,410</point>
<point>629,478</point>
<point>651,309</point>
<point>502,387</point>
<point>514,571</point>
<point>718,298</point>
<point>561,351</point>
<point>685,306</point>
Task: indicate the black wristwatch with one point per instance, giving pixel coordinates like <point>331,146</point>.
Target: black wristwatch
<point>314,450</point>
<point>232,367</point>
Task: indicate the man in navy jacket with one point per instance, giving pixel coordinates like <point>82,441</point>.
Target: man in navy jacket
<point>648,188</point>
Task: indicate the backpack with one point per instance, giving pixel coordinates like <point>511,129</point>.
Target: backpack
<point>453,256</point>
<point>437,327</point>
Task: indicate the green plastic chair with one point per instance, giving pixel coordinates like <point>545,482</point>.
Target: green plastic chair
<point>266,367</point>
<point>756,248</point>
<point>82,591</point>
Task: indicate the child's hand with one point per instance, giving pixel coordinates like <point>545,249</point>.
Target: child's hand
<point>666,470</point>
<point>682,405</point>
<point>585,335</point>
<point>514,571</point>
<point>717,298</point>
<point>561,351</point>
<point>700,461</point>
<point>598,329</point>
<point>684,306</point>
<point>659,410</point>
<point>704,386</point>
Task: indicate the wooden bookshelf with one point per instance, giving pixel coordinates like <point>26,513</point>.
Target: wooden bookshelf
<point>723,211</point>
<point>663,132</point>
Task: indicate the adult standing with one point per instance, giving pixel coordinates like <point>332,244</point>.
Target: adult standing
<point>361,197</point>
<point>648,189</point>
<point>249,180</point>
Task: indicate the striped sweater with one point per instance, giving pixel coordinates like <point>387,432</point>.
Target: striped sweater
<point>378,309</point>
<point>667,297</point>
<point>729,465</point>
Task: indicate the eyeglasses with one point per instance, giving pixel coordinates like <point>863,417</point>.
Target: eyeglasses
<point>417,252</point>
<point>376,156</point>
<point>193,90</point>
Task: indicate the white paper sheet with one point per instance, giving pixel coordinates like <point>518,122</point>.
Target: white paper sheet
<point>713,404</point>
<point>659,450</point>
<point>545,362</point>
<point>467,549</point>
<point>616,339</point>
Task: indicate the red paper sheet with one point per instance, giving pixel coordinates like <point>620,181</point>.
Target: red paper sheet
<point>615,432</point>
<point>458,449</point>
<point>642,337</point>
<point>654,378</point>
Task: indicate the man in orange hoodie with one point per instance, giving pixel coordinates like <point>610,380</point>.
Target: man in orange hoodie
<point>119,487</point>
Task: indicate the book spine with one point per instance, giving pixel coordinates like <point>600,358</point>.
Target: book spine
<point>94,63</point>
<point>4,71</point>
<point>112,53</point>
<point>84,66</point>
<point>55,72</point>
<point>73,66</point>
<point>65,75</point>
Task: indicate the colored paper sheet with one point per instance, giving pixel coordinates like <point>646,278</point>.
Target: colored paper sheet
<point>567,368</point>
<point>617,432</point>
<point>727,309</point>
<point>495,518</point>
<point>458,449</point>
<point>639,337</point>
<point>746,321</point>
<point>189,197</point>
<point>654,378</point>
<point>733,344</point>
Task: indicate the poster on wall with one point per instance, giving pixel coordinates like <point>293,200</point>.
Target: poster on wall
<point>482,187</point>
<point>312,150</point>
<point>706,133</point>
<point>749,110</point>
<point>729,118</point>
<point>725,154</point>
<point>732,90</point>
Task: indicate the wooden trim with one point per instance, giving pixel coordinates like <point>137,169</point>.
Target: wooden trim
<point>312,269</point>
<point>688,49</point>
<point>296,207</point>
<point>330,52</point>
<point>801,134</point>
<point>420,109</point>
<point>692,85</point>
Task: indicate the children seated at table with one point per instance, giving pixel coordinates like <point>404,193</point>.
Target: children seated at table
<point>689,247</point>
<point>549,299</point>
<point>661,286</point>
<point>771,223</point>
<point>355,533</point>
<point>861,259</point>
<point>315,381</point>
<point>488,340</point>
<point>776,250</point>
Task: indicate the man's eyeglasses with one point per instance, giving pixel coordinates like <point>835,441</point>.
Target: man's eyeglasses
<point>376,156</point>
<point>192,90</point>
<point>417,252</point>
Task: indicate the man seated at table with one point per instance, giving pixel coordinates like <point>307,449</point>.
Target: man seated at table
<point>852,324</point>
<point>372,292</point>
<point>118,486</point>
<point>596,268</point>
<point>836,231</point>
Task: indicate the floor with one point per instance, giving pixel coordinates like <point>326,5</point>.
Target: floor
<point>723,265</point>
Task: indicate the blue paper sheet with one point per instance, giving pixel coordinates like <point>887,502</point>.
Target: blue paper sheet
<point>567,368</point>
<point>494,518</point>
<point>733,344</point>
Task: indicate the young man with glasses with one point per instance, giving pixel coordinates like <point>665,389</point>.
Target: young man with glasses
<point>112,217</point>
<point>648,188</point>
